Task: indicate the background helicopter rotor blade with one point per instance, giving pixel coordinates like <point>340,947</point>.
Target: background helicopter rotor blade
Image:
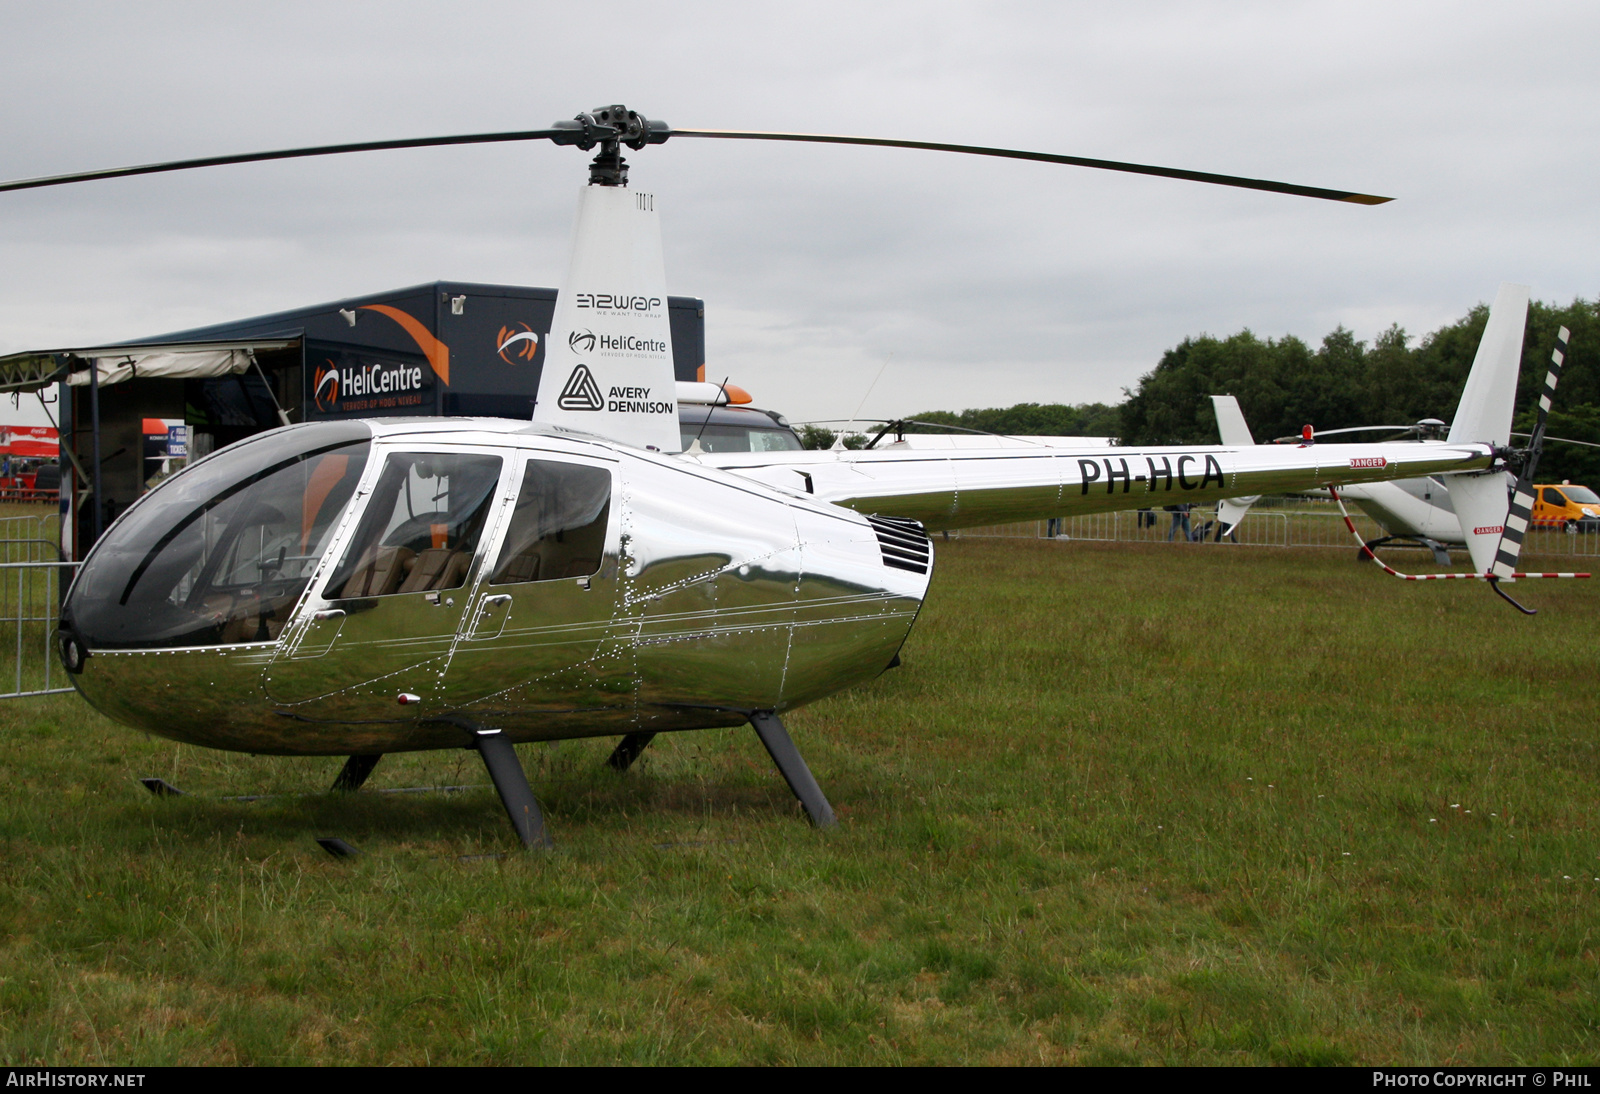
<point>1044,157</point>
<point>1563,440</point>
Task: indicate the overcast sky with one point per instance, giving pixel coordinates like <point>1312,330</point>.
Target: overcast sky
<point>964,281</point>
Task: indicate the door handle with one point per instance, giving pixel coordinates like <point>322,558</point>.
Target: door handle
<point>305,646</point>
<point>483,624</point>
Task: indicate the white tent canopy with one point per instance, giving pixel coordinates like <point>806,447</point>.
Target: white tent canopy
<point>181,365</point>
<point>114,364</point>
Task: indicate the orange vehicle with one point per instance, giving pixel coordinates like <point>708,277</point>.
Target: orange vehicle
<point>1566,506</point>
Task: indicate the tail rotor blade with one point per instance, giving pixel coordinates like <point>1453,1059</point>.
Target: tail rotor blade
<point>1521,513</point>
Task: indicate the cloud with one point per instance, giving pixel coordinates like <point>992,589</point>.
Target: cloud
<point>982,282</point>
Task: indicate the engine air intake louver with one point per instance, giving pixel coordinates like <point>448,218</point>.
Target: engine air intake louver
<point>903,542</point>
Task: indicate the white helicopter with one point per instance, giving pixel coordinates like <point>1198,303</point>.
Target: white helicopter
<point>362,587</point>
<point>1420,510</point>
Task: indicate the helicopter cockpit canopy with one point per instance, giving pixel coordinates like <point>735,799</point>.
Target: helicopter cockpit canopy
<point>220,553</point>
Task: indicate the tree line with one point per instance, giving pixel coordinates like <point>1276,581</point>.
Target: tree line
<point>1284,384</point>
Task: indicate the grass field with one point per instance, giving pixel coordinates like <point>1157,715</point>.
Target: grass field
<point>1121,804</point>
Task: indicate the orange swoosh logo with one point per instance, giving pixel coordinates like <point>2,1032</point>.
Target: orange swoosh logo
<point>437,353</point>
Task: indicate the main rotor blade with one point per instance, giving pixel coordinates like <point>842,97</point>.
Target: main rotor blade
<point>566,135</point>
<point>1045,157</point>
<point>282,154</point>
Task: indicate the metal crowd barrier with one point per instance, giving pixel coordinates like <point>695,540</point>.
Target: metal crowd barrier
<point>22,494</point>
<point>30,603</point>
<point>1294,526</point>
<point>31,527</point>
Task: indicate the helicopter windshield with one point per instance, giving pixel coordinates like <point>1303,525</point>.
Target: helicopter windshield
<point>219,553</point>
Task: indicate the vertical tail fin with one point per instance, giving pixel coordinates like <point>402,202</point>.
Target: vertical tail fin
<point>1234,432</point>
<point>608,360</point>
<point>1484,415</point>
<point>1230,421</point>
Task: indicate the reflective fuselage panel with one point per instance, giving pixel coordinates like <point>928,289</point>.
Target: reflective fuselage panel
<point>491,573</point>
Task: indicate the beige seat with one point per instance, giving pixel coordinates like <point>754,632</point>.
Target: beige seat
<point>524,567</point>
<point>243,623</point>
<point>437,568</point>
<point>381,573</point>
<point>581,567</point>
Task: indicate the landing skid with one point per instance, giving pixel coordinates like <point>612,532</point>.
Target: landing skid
<point>792,767</point>
<point>510,782</point>
<point>355,772</point>
<point>628,750</point>
<point>779,745</point>
<point>1441,553</point>
<point>515,794</point>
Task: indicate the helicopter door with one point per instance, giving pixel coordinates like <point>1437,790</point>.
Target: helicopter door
<point>542,616</point>
<point>390,610</point>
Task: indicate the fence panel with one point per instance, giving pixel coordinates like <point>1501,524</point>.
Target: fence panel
<point>1578,543</point>
<point>30,600</point>
<point>30,527</point>
<point>1304,524</point>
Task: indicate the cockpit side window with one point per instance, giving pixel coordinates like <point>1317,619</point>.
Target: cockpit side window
<point>559,526</point>
<point>421,527</point>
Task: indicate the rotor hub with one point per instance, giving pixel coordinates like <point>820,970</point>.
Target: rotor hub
<point>609,128</point>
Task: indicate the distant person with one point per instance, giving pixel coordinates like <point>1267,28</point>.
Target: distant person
<point>1180,516</point>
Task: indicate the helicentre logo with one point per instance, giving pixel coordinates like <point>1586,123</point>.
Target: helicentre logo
<point>581,341</point>
<point>629,343</point>
<point>326,390</point>
<point>525,338</point>
<point>581,392</point>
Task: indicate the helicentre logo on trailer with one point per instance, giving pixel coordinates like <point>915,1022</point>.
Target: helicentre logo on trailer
<point>581,392</point>
<point>581,341</point>
<point>326,391</point>
<point>522,343</point>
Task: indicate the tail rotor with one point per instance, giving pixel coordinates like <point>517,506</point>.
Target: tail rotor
<point>1521,512</point>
